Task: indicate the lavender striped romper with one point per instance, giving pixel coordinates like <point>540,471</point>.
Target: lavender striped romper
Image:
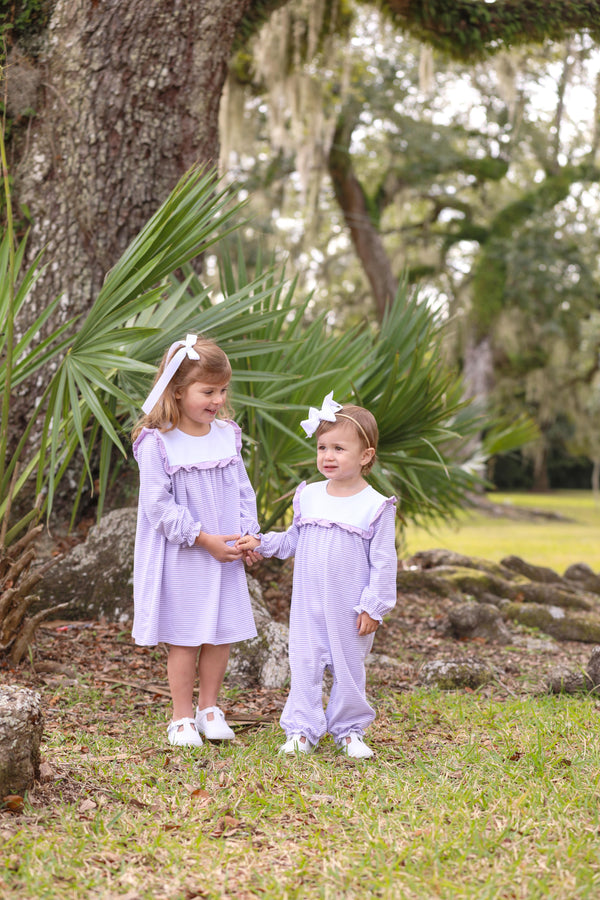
<point>345,564</point>
<point>182,594</point>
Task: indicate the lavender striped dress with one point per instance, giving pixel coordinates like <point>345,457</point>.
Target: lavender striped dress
<point>183,595</point>
<point>345,563</point>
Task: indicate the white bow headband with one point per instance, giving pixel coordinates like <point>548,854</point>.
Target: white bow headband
<point>186,348</point>
<point>316,416</point>
<point>327,413</point>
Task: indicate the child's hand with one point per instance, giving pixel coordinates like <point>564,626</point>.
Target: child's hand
<point>251,557</point>
<point>217,546</point>
<point>365,624</point>
<point>247,543</point>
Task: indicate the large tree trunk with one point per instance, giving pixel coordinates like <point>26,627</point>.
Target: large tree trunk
<point>128,100</point>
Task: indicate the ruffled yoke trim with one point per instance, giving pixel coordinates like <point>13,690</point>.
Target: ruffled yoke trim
<point>188,467</point>
<point>367,534</point>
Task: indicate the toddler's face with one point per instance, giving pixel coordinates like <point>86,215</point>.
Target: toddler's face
<point>341,454</point>
<point>199,404</point>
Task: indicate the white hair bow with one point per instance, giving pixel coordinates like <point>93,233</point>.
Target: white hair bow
<point>186,348</point>
<point>325,414</point>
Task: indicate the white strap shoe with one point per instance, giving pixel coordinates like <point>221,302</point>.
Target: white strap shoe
<point>297,743</point>
<point>215,729</point>
<point>353,745</point>
<point>183,733</point>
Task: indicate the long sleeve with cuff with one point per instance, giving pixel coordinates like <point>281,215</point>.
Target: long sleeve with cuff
<point>378,597</point>
<point>156,499</point>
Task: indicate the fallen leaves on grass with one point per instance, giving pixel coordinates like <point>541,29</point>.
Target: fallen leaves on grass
<point>226,826</point>
<point>201,797</point>
<point>13,803</point>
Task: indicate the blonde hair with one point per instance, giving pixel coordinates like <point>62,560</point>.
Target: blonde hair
<point>213,367</point>
<point>364,424</point>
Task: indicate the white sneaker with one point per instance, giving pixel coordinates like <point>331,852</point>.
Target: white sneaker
<point>353,745</point>
<point>215,729</point>
<point>297,743</point>
<point>183,733</point>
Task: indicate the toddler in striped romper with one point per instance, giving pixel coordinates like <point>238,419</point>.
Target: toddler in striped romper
<point>195,501</point>
<point>343,540</point>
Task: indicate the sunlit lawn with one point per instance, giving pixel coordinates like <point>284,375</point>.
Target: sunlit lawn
<point>557,544</point>
<point>468,798</point>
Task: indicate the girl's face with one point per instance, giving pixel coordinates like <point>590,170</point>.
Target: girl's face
<point>341,455</point>
<point>199,404</point>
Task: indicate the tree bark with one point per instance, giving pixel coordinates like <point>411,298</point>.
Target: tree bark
<point>21,727</point>
<point>364,233</point>
<point>129,100</point>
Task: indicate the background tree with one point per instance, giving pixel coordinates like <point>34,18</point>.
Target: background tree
<point>421,180</point>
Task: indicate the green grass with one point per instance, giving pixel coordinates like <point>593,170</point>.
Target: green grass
<point>467,797</point>
<point>489,795</point>
<point>557,544</point>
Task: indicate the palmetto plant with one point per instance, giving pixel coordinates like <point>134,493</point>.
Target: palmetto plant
<point>394,369</point>
<point>86,400</point>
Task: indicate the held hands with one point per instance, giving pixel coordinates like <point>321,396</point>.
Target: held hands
<point>217,546</point>
<point>365,624</point>
<point>247,544</point>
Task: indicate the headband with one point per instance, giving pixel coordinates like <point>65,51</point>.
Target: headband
<point>186,348</point>
<point>358,425</point>
<point>328,413</point>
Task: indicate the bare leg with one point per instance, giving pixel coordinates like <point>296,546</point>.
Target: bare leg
<point>212,663</point>
<point>181,671</point>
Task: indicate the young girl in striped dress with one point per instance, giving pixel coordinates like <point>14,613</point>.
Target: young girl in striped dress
<point>195,501</point>
<point>343,540</point>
